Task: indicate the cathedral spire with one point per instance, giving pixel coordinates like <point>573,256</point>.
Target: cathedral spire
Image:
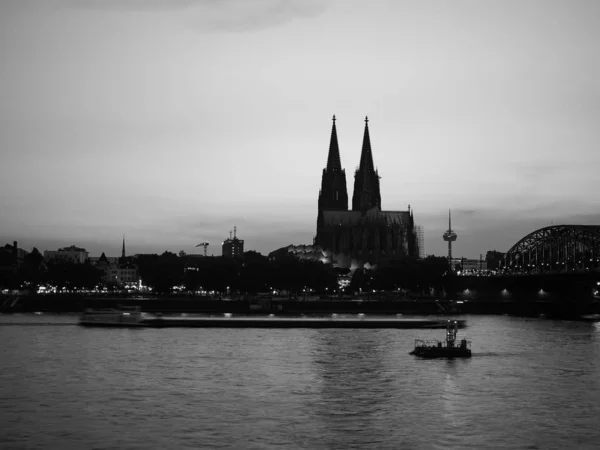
<point>333,194</point>
<point>123,250</point>
<point>366,156</point>
<point>334,163</point>
<point>366,180</point>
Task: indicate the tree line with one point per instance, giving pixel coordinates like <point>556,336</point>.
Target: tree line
<point>249,273</point>
<point>34,271</point>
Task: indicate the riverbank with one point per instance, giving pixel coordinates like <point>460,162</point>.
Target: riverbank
<point>422,306</point>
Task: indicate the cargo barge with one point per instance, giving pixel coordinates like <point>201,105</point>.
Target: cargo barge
<point>116,318</point>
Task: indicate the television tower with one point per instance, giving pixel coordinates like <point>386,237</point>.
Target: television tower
<point>449,236</point>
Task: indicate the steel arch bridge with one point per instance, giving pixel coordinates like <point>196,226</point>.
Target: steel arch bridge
<point>558,248</point>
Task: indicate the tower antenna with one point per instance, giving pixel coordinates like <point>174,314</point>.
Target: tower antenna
<point>449,236</point>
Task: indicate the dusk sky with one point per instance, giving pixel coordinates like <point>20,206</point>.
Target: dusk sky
<point>171,121</point>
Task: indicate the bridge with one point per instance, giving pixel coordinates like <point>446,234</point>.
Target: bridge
<point>555,249</point>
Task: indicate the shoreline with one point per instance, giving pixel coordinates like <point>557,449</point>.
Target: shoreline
<point>295,308</point>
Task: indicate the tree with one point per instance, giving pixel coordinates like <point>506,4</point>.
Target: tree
<point>71,275</point>
<point>8,276</point>
<point>168,272</point>
<point>193,279</point>
<point>493,259</point>
<point>161,273</point>
<point>254,273</point>
<point>33,269</point>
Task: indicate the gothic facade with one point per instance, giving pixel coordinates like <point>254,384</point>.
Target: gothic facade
<point>364,235</point>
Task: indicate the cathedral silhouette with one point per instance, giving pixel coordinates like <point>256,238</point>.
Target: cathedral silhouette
<point>364,236</point>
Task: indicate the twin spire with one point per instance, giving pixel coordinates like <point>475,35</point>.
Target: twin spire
<point>334,162</point>
<point>366,179</point>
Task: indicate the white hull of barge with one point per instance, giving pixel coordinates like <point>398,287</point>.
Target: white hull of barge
<point>114,318</point>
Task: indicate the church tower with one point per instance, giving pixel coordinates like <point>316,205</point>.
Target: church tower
<point>333,194</point>
<point>366,179</point>
<point>123,259</point>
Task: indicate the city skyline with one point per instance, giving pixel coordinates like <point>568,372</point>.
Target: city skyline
<point>172,121</point>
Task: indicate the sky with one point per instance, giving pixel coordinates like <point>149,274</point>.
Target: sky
<point>172,121</point>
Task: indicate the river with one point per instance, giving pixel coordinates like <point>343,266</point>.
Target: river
<point>531,384</point>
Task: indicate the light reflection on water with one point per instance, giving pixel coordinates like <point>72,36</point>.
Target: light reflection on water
<point>531,384</point>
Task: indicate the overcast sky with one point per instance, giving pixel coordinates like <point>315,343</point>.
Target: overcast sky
<point>171,121</point>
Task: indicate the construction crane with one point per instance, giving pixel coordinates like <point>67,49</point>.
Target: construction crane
<point>203,244</point>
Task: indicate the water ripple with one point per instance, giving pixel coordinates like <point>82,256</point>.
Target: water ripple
<point>530,384</point>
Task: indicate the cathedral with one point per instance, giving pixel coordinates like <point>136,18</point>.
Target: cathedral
<point>364,236</point>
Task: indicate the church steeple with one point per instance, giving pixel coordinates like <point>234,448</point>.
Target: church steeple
<point>123,250</point>
<point>334,162</point>
<point>366,179</point>
<point>366,156</point>
<point>333,194</point>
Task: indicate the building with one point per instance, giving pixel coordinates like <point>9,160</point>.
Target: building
<point>469,265</point>
<point>364,236</point>
<point>232,247</point>
<point>11,258</point>
<point>110,259</point>
<point>13,253</point>
<point>421,240</point>
<point>118,271</point>
<point>301,252</point>
<point>72,253</point>
<point>474,264</point>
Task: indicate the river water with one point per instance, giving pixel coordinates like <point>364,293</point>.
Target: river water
<point>531,384</point>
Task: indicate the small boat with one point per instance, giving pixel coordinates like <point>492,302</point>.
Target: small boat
<point>444,349</point>
<point>109,317</point>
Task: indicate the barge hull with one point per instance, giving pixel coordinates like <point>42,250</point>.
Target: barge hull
<point>113,324</point>
<point>244,322</point>
<point>444,353</point>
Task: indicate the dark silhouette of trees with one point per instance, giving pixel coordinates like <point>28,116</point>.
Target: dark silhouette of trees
<point>219,274</point>
<point>408,274</point>
<point>164,272</point>
<point>33,270</point>
<point>146,266</point>
<point>193,279</point>
<point>8,277</point>
<point>71,275</point>
<point>493,259</point>
<point>320,277</point>
<point>252,273</point>
<point>362,280</point>
<point>252,255</point>
<point>436,267</point>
